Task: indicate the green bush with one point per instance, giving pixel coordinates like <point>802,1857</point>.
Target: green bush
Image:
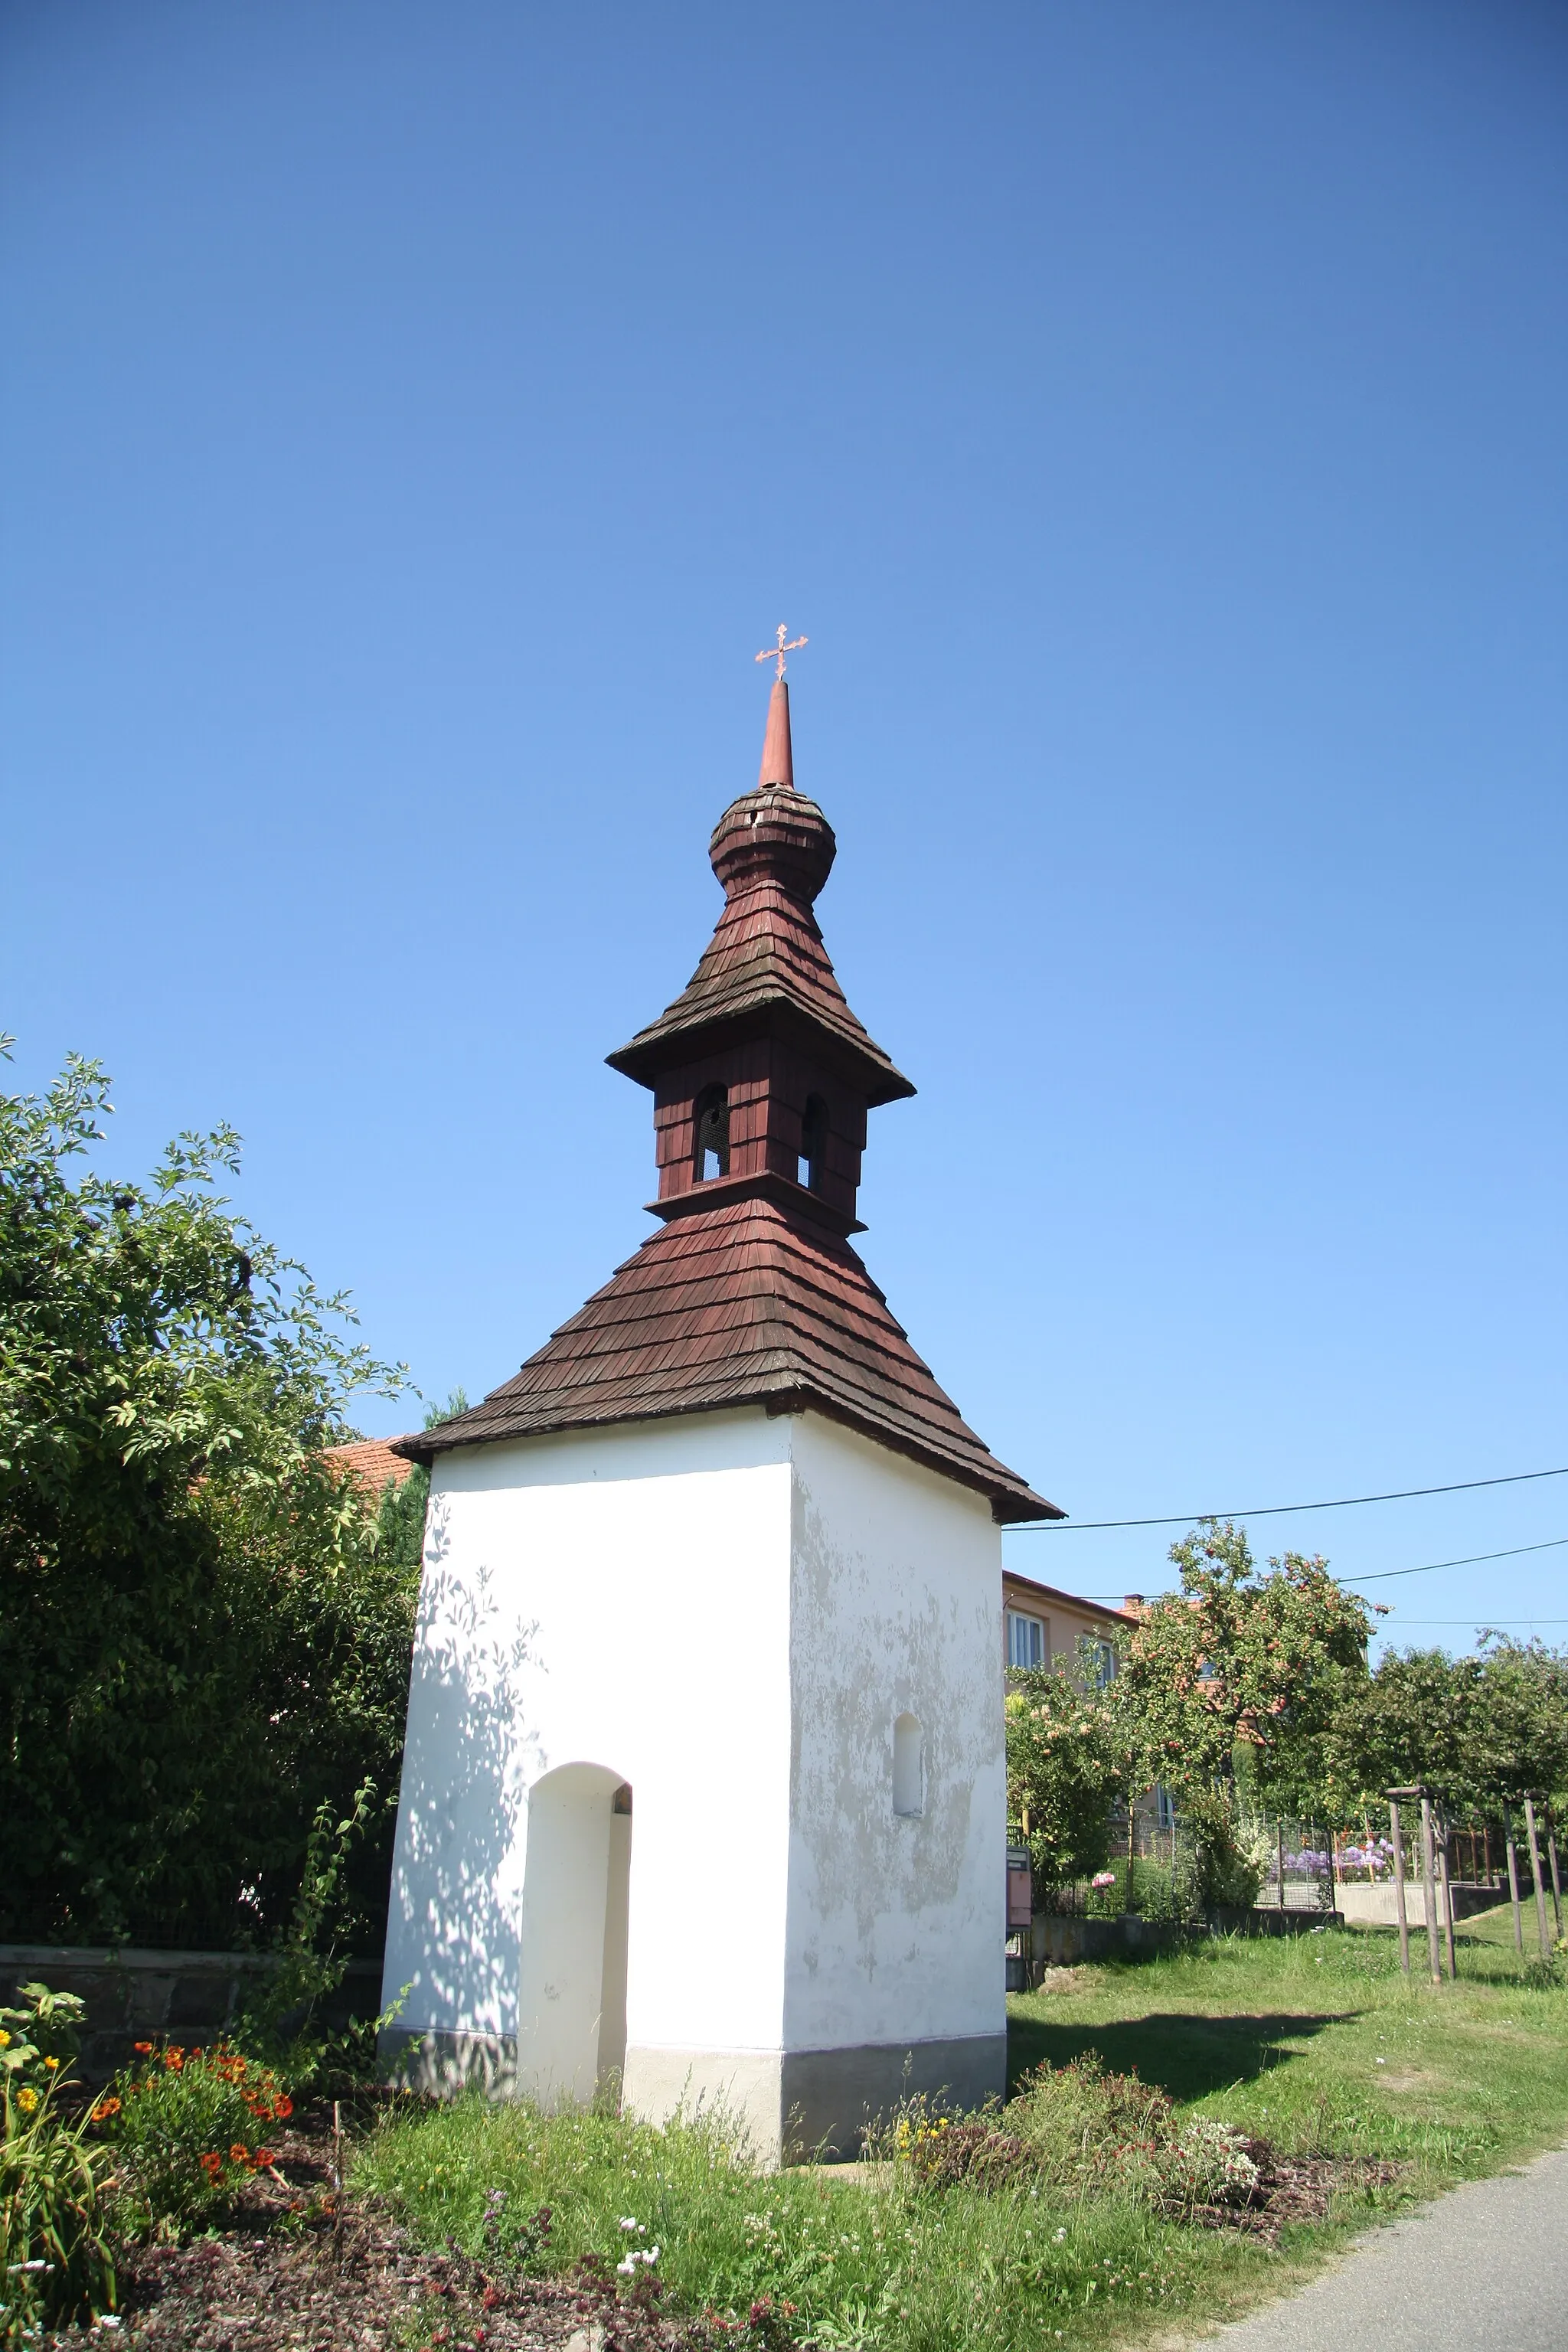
<point>204,1637</point>
<point>55,2265</point>
<point>1159,1891</point>
<point>1232,1848</point>
<point>189,2127</point>
<point>281,2023</point>
<point>1068,1765</point>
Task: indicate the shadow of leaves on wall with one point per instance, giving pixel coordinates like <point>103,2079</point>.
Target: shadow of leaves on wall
<point>454,1924</point>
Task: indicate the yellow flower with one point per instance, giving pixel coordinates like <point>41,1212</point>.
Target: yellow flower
<point>27,2101</point>
<point>5,2039</point>
<point>50,2064</point>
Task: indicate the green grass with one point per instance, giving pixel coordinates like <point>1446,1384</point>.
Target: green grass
<point>1315,2042</point>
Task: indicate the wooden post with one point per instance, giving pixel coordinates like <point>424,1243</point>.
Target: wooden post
<point>1513,1879</point>
<point>1393,1832</point>
<point>1329,1841</point>
<point>1280,1853</point>
<point>338,2183</point>
<point>1447,1896</point>
<point>1430,1890</point>
<point>1535,1866</point>
<point>1556,1881</point>
<point>1132,1850</point>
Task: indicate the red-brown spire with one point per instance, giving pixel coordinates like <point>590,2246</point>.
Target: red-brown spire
<point>778,760</point>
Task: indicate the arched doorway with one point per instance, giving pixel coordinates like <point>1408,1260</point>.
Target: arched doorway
<point>571,1983</point>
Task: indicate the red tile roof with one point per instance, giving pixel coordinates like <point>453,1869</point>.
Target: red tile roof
<point>748,1303</point>
<point>1033,1586</point>
<point>373,1461</point>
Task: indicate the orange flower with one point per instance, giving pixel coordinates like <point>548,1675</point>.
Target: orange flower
<point>212,2164</point>
<point>143,2048</point>
<point>263,2156</point>
<point>282,2109</point>
<point>239,2153</point>
<point>105,2107</point>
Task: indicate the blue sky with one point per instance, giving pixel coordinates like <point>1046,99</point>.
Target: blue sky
<point>415,417</point>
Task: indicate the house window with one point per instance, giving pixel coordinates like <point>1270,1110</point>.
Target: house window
<point>1165,1807</point>
<point>710,1155</point>
<point>909,1766</point>
<point>1027,1644</point>
<point>813,1144</point>
<point>1104,1664</point>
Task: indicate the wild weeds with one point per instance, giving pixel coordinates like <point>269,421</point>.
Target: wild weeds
<point>980,2254</point>
<point>1075,2131</point>
<point>1068,2217</point>
<point>55,2264</point>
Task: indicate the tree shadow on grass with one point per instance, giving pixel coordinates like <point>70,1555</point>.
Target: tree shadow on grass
<point>1187,2056</point>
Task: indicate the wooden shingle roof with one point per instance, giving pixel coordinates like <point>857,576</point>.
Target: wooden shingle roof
<point>772,849</point>
<point>747,1303</point>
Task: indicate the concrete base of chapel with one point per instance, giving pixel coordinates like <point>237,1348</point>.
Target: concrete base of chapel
<point>804,2103</point>
<point>791,2103</point>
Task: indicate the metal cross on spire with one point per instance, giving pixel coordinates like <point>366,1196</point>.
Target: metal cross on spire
<point>776,653</point>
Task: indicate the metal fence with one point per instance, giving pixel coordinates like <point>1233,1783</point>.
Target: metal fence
<point>1155,1870</point>
<point>1287,1864</point>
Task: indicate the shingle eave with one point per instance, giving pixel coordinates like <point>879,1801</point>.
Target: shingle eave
<point>1011,1501</point>
<point>701,1021</point>
<point>741,1305</point>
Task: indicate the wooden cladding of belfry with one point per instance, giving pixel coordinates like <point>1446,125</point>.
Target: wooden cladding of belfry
<point>768,1087</point>
<point>762,1078</point>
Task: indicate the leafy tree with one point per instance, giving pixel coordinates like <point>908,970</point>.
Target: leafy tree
<point>1417,1718</point>
<point>199,1644</point>
<point>1520,1739</point>
<point>1069,1762</point>
<point>1478,1731</point>
<point>400,1519</point>
<point>1239,1659</point>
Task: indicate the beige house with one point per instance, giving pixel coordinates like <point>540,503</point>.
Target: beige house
<point>1041,1624</point>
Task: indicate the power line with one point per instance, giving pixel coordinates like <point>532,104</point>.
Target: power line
<point>1470,1621</point>
<point>1279,1510</point>
<point>1471,1559</point>
<point>1382,1575</point>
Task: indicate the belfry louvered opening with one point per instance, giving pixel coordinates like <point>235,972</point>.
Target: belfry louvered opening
<point>710,1149</point>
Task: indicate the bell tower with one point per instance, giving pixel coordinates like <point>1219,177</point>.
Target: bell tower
<point>761,1076</point>
<point>711,1613</point>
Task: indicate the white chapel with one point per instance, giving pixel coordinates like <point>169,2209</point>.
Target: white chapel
<point>704,1788</point>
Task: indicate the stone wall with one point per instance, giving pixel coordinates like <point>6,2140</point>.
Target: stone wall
<point>136,1995</point>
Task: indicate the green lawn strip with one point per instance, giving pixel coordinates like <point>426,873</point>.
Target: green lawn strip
<point>1281,2039</point>
<point>1318,2044</point>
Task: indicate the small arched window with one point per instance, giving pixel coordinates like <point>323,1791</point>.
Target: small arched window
<point>710,1151</point>
<point>813,1144</point>
<point>909,1766</point>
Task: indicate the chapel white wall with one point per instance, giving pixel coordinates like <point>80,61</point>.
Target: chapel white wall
<point>728,1611</point>
<point>896,1924</point>
<point>621,1599</point>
